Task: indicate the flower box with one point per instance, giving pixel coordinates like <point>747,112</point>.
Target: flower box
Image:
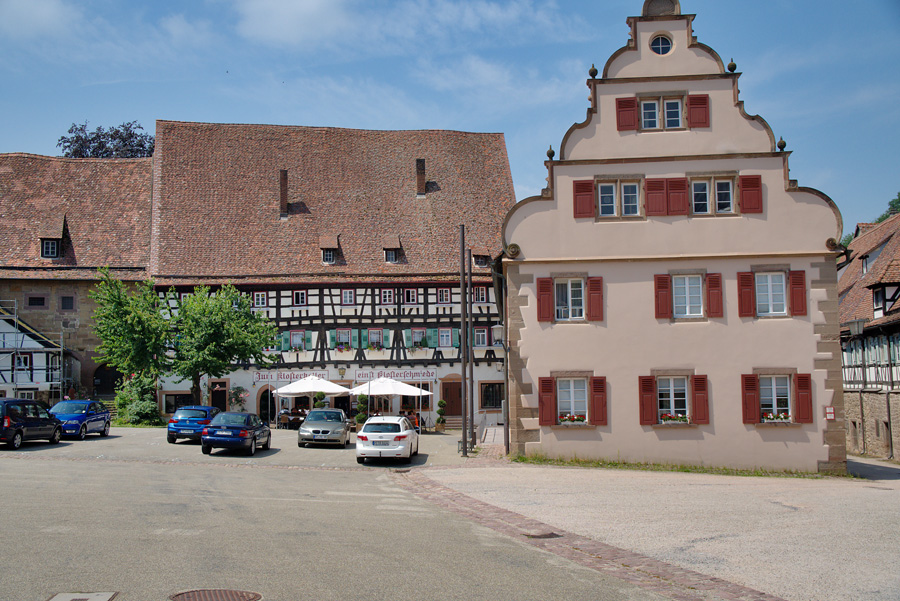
<point>673,418</point>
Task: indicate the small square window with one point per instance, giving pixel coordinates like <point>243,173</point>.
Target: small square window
<point>328,256</point>
<point>299,298</point>
<point>569,299</point>
<point>481,337</point>
<point>671,395</point>
<point>298,338</point>
<point>409,296</point>
<point>67,303</point>
<point>481,260</point>
<point>343,337</point>
<point>479,294</point>
<point>260,299</point>
<point>444,296</point>
<point>37,301</point>
<point>445,337</point>
<point>770,294</point>
<point>387,296</point>
<point>348,297</point>
<point>390,255</point>
<point>50,249</point>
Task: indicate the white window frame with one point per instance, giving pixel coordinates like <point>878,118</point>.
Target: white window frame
<point>260,299</point>
<point>619,198</point>
<point>768,295</point>
<point>445,337</point>
<point>410,296</point>
<point>775,395</point>
<point>673,110</point>
<point>650,113</point>
<point>387,296</point>
<point>660,113</point>
<point>481,337</point>
<point>376,333</point>
<point>299,298</point>
<point>443,296</point>
<point>607,197</point>
<point>390,255</point>
<point>50,249</point>
<point>573,307</point>
<point>418,337</point>
<point>342,336</point>
<point>328,256</point>
<point>479,294</point>
<point>301,337</point>
<point>627,210</point>
<point>718,196</point>
<point>673,396</point>
<point>704,194</point>
<point>571,396</point>
<point>724,188</point>
<point>348,297</point>
<point>687,296</point>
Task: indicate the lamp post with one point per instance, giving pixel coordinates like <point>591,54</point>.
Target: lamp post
<point>498,335</point>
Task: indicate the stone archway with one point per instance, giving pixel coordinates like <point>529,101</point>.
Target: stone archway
<point>105,380</point>
<point>265,404</point>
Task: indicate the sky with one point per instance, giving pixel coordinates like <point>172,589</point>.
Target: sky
<point>824,74</point>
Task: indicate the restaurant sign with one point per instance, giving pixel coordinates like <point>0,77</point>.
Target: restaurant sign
<point>403,375</point>
<point>286,376</point>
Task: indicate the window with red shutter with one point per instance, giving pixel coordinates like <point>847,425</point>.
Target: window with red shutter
<point>545,299</point>
<point>627,116</point>
<point>546,401</point>
<point>699,400</point>
<point>662,290</point>
<point>797,285</point>
<point>750,398</point>
<point>595,299</point>
<point>751,193</point>
<point>677,196</point>
<point>597,412</point>
<point>746,294</point>
<point>698,110</point>
<point>714,304</point>
<point>803,405</point>
<point>648,413</point>
<point>656,199</point>
<point>584,205</point>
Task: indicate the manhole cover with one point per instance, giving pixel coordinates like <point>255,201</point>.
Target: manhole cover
<point>216,595</point>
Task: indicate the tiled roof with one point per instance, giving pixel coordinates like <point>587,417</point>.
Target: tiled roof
<point>100,208</point>
<point>854,287</point>
<point>217,194</point>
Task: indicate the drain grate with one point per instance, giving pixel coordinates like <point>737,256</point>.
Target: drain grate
<point>216,595</point>
<point>544,535</point>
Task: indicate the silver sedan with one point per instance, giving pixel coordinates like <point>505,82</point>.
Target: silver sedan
<point>324,426</point>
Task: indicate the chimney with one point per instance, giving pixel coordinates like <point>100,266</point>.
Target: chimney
<point>420,178</point>
<point>284,195</point>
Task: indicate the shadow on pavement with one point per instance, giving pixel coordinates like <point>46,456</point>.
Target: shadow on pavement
<point>873,471</point>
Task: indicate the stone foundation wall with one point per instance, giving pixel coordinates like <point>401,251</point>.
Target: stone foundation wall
<point>869,431</point>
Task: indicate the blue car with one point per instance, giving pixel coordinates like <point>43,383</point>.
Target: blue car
<point>232,430</point>
<point>189,421</point>
<point>80,418</point>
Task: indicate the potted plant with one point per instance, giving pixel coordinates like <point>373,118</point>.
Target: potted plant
<point>439,424</point>
<point>361,411</point>
<point>320,402</point>
<point>673,418</point>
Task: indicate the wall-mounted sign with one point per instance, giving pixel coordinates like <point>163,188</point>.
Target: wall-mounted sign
<point>403,375</point>
<point>829,413</point>
<point>286,376</point>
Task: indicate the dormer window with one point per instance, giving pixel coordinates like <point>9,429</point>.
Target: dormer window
<point>390,243</point>
<point>481,260</point>
<point>49,248</point>
<point>865,263</point>
<point>878,302</point>
<point>330,245</point>
<point>328,256</point>
<point>390,255</point>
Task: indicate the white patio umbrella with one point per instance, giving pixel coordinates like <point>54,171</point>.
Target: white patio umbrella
<point>388,387</point>
<point>311,385</point>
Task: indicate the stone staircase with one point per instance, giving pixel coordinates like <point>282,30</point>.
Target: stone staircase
<point>453,422</point>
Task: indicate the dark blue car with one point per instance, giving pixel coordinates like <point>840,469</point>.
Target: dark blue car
<point>189,421</point>
<point>232,430</point>
<point>80,418</point>
<point>24,419</point>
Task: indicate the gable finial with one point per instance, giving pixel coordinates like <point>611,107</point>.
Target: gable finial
<point>661,8</point>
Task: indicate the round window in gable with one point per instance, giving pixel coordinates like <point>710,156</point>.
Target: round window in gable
<point>661,44</point>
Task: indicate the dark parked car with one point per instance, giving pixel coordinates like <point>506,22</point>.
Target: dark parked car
<point>189,421</point>
<point>80,418</point>
<point>232,430</point>
<point>24,419</point>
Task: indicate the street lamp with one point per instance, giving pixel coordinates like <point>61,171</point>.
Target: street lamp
<point>498,335</point>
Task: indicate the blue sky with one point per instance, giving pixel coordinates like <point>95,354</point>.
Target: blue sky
<point>824,73</point>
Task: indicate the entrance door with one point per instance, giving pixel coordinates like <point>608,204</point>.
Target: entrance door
<point>219,399</point>
<point>452,393</point>
<point>266,406</point>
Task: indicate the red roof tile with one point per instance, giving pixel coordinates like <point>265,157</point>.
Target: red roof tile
<point>854,286</point>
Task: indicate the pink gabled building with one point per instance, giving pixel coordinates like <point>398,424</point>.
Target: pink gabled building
<point>671,295</point>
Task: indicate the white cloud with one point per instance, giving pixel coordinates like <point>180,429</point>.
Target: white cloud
<point>182,32</point>
<point>299,23</point>
<point>36,18</point>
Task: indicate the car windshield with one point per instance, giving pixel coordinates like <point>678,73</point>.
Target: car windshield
<point>69,407</point>
<point>324,416</point>
<point>381,428</point>
<point>187,413</point>
<point>229,419</point>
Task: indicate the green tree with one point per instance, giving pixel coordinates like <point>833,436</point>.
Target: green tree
<point>893,208</point>
<point>133,327</point>
<point>122,142</point>
<point>212,331</point>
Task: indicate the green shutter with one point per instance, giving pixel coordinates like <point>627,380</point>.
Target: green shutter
<point>386,339</point>
<point>431,337</point>
<point>407,338</point>
<point>455,336</point>
<point>308,339</point>
<point>364,338</point>
<point>332,338</point>
<point>354,338</point>
<point>285,341</point>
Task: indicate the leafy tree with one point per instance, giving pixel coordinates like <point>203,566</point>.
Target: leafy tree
<point>136,400</point>
<point>212,331</point>
<point>122,142</point>
<point>132,326</point>
<point>847,239</point>
<point>893,208</point>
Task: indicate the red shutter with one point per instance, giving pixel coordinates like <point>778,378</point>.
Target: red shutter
<point>584,198</point>
<point>649,414</point>
<point>677,196</point>
<point>546,401</point>
<point>627,114</point>
<point>746,294</point>
<point>714,305</point>
<point>750,398</point>
<point>797,283</point>
<point>595,299</point>
<point>545,299</point>
<point>751,193</point>
<point>698,110</point>
<point>699,400</point>
<point>655,193</point>
<point>597,412</point>
<point>803,405</point>
<point>662,291</point>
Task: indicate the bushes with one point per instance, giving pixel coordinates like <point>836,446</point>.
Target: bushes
<point>136,400</point>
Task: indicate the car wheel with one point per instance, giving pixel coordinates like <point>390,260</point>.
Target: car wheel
<point>16,441</point>
<point>205,449</point>
<point>360,460</point>
<point>83,432</point>
<point>417,448</point>
<point>268,444</point>
<point>54,438</point>
<point>171,438</point>
<point>252,450</point>
<point>105,430</point>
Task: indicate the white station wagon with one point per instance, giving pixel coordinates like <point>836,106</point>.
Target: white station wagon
<point>387,436</point>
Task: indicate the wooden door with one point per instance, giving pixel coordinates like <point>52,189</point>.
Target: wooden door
<point>452,393</point>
